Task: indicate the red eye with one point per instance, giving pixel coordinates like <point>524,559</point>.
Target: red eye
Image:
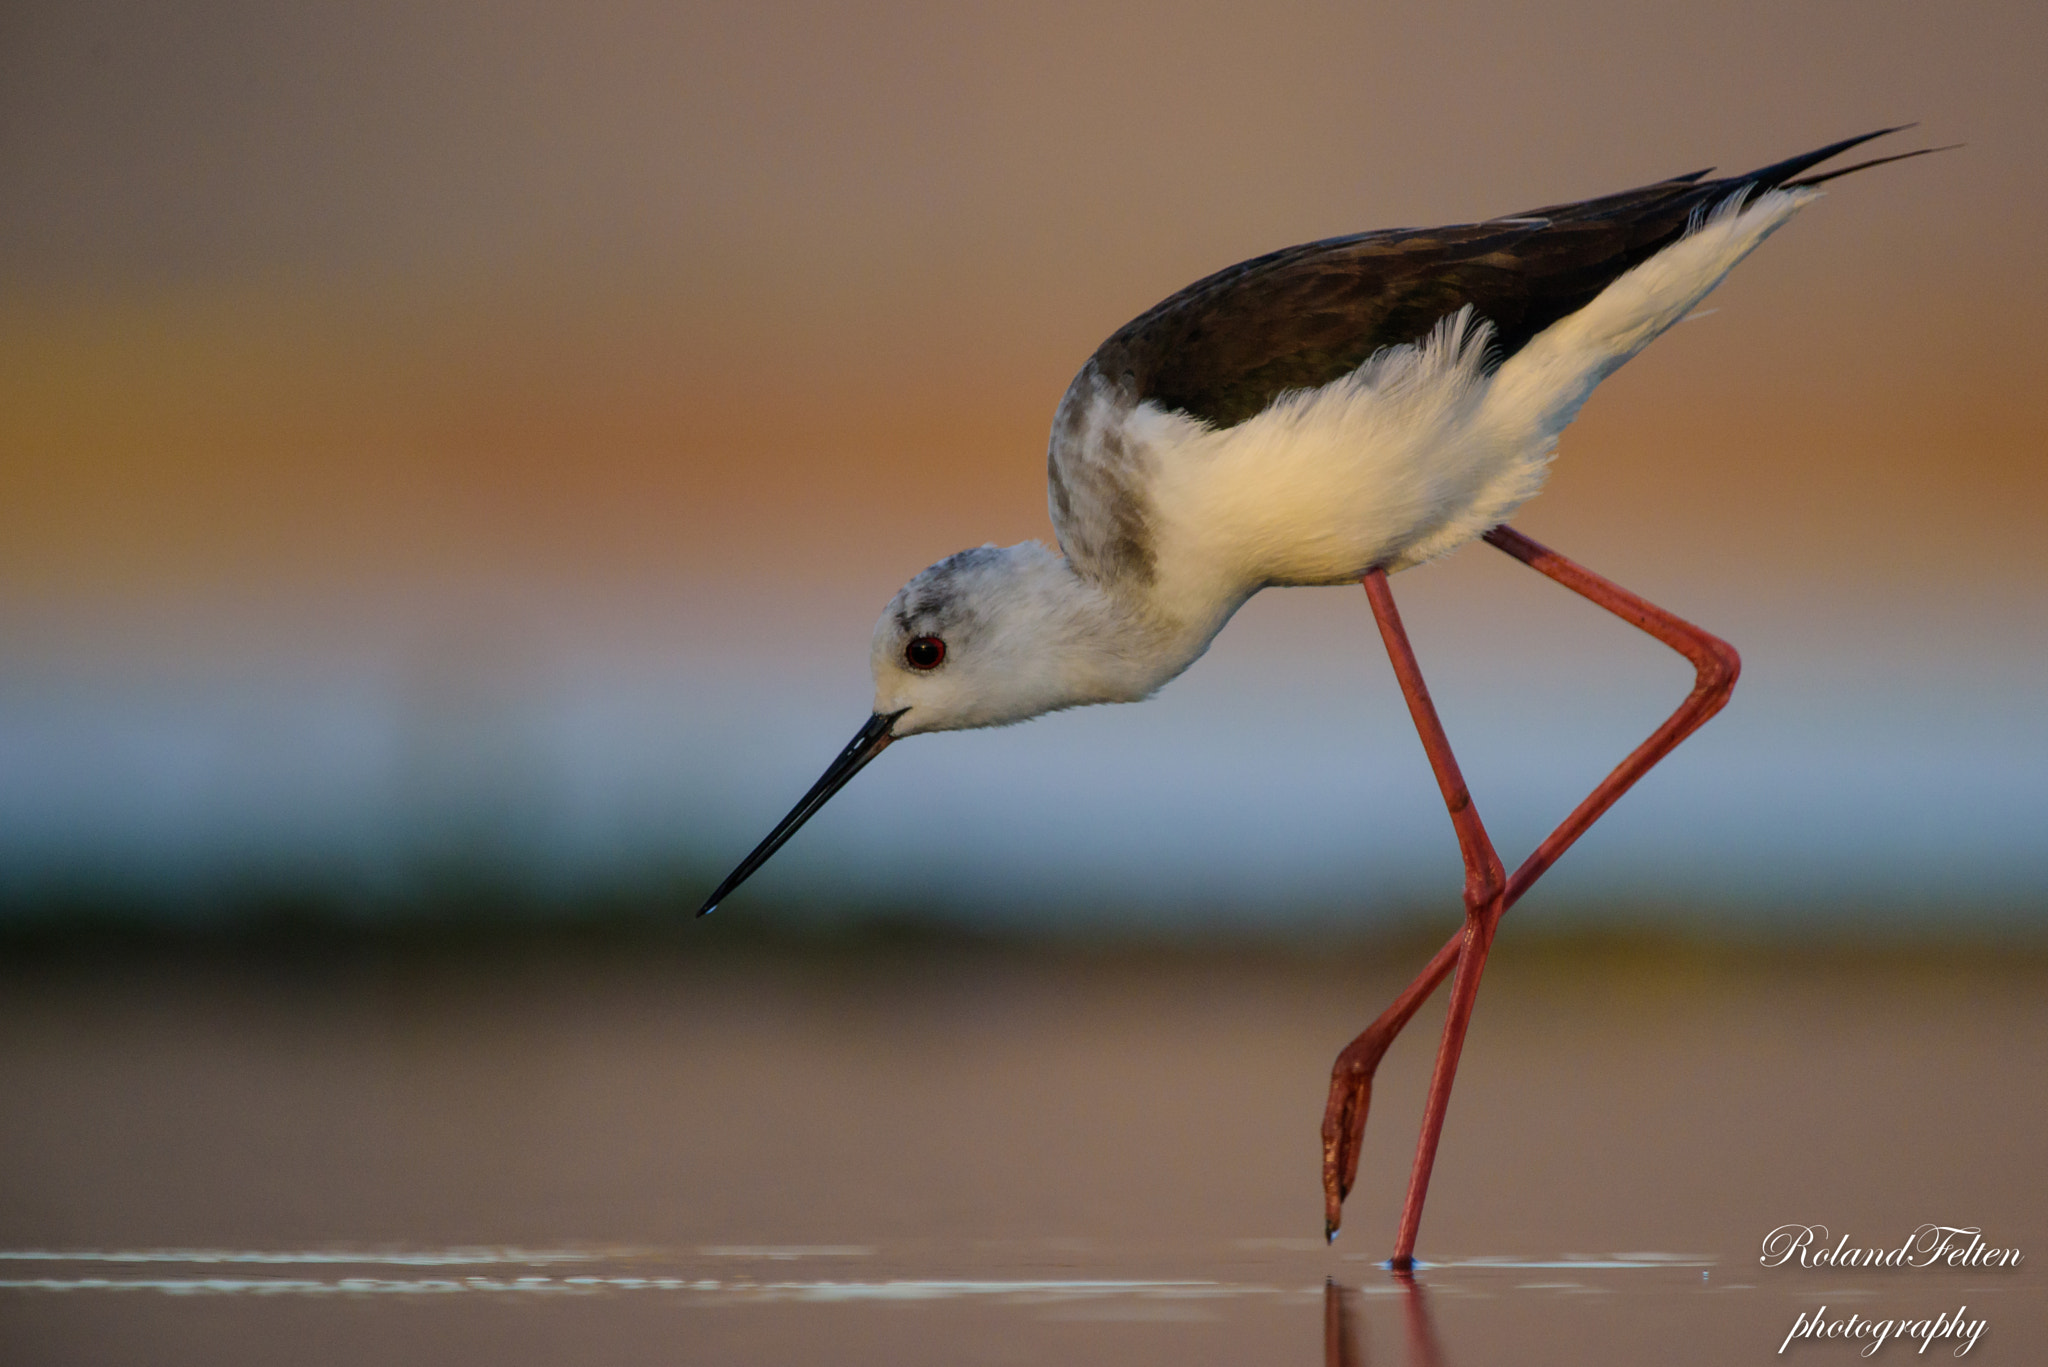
<point>926,652</point>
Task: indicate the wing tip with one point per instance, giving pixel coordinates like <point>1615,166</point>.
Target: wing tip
<point>1808,182</point>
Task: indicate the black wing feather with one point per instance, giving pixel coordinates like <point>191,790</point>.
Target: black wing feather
<point>1226,346</point>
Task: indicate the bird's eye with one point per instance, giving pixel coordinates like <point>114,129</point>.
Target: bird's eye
<point>926,652</point>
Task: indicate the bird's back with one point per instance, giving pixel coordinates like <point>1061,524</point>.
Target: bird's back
<point>1225,347</point>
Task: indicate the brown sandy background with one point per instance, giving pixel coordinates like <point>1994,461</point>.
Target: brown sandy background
<point>776,294</point>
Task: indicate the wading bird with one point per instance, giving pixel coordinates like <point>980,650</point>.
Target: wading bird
<point>1329,413</point>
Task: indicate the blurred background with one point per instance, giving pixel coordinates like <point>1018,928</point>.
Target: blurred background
<point>452,456</point>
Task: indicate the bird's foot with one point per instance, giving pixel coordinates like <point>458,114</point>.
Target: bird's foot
<point>1344,1124</point>
<point>1351,1082</point>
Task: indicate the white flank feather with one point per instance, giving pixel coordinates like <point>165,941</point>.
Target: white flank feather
<point>1418,451</point>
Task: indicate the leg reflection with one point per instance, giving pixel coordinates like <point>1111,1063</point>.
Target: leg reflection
<point>1342,1346</point>
<point>1423,1348</point>
<point>1344,1341</point>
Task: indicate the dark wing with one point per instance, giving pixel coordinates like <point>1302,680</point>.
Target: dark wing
<point>1225,347</point>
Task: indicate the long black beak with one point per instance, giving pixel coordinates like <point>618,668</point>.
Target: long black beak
<point>868,742</point>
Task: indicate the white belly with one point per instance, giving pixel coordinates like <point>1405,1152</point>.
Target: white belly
<point>1329,482</point>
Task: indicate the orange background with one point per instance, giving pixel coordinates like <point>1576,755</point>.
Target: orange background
<point>526,336</point>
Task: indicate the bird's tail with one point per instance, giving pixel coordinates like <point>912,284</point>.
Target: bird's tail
<point>1786,174</point>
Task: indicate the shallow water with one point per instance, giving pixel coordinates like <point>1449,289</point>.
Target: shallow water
<point>997,1158</point>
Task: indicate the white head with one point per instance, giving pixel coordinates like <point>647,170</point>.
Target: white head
<point>986,638</point>
<point>998,635</point>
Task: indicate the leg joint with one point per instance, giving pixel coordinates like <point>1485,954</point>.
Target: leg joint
<point>1484,883</point>
<point>1717,666</point>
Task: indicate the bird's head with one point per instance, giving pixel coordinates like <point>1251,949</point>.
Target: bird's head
<point>987,637</point>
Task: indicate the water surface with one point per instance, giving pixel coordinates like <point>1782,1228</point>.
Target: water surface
<point>995,1157</point>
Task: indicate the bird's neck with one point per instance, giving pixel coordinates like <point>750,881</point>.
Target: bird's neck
<point>1125,642</point>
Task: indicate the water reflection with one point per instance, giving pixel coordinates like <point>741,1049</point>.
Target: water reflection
<point>1423,1347</point>
<point>1343,1336</point>
<point>1341,1345</point>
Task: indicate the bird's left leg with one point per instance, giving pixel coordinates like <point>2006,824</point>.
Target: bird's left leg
<point>1351,1083</point>
<point>1351,1077</point>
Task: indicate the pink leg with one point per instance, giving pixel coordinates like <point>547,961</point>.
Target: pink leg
<point>1487,894</point>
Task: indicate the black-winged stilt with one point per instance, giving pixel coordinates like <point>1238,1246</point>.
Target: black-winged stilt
<point>1328,413</point>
